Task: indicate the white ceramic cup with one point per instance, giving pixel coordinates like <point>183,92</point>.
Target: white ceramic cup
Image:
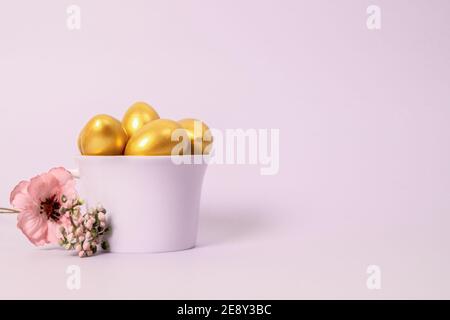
<point>152,203</point>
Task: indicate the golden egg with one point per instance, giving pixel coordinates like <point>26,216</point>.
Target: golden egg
<point>155,139</point>
<point>199,134</point>
<point>137,116</point>
<point>103,135</point>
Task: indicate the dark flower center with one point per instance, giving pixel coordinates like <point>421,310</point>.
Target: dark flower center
<point>50,207</point>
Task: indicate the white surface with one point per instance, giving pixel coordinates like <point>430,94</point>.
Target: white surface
<point>250,249</point>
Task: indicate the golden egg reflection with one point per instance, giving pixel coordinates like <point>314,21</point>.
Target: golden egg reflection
<point>103,135</point>
<point>139,114</point>
<point>199,135</point>
<point>155,139</point>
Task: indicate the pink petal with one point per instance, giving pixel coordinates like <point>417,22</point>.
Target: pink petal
<point>34,226</point>
<point>52,232</point>
<point>22,201</point>
<point>52,183</point>
<point>42,187</point>
<point>62,175</point>
<point>69,191</point>
<point>20,188</point>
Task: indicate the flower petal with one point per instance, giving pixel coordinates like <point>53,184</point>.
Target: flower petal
<point>52,232</point>
<point>34,226</point>
<point>43,186</point>
<point>62,175</point>
<point>22,201</point>
<point>20,188</point>
<point>69,191</point>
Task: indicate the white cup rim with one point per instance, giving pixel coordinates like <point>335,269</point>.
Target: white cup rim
<point>156,157</point>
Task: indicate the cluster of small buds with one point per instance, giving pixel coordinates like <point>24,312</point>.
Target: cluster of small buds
<point>86,231</point>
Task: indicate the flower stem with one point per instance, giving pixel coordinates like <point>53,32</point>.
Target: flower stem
<point>8,210</point>
<point>71,221</point>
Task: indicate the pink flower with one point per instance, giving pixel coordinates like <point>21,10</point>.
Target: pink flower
<point>101,216</point>
<point>79,232</point>
<point>89,224</point>
<point>86,246</point>
<point>40,201</point>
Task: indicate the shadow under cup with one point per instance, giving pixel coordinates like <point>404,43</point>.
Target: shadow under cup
<point>152,202</point>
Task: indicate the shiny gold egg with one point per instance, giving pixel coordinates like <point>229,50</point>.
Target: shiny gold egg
<point>155,139</point>
<point>137,116</point>
<point>199,135</point>
<point>103,135</point>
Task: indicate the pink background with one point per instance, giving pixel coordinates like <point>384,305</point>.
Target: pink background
<point>364,123</point>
